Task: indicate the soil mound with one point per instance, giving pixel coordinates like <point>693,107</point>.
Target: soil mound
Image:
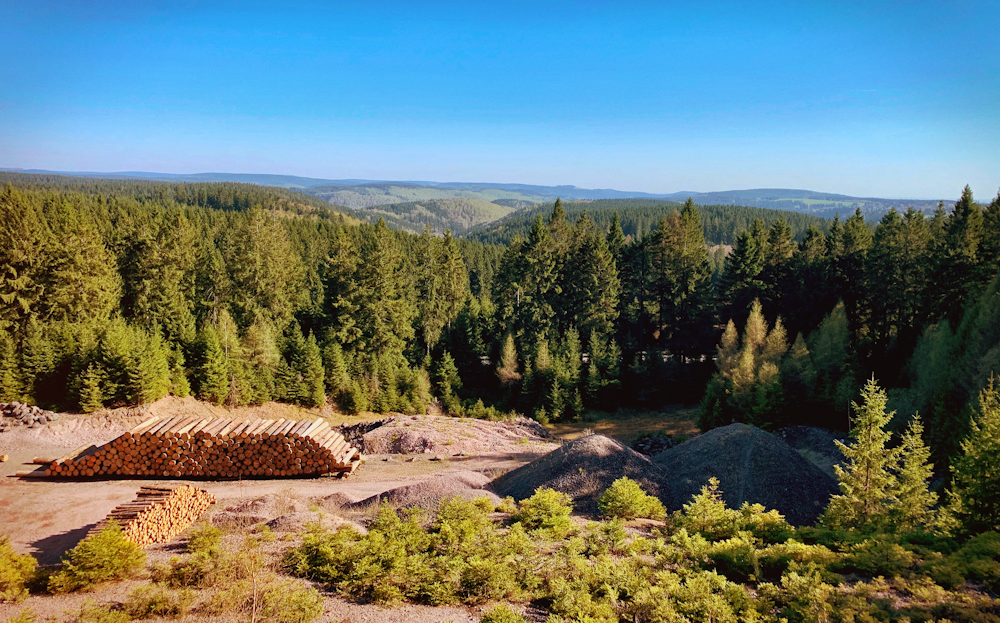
<point>442,434</point>
<point>428,494</point>
<point>752,466</point>
<point>247,513</point>
<point>583,469</point>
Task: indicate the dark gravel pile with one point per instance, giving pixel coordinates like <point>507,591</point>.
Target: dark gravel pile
<point>583,469</point>
<point>355,433</point>
<point>18,414</point>
<point>651,446</point>
<point>428,494</point>
<point>752,466</point>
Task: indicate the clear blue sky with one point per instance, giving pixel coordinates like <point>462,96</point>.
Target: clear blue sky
<point>865,98</point>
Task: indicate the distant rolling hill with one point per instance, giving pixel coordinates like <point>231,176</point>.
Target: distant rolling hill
<point>810,202</point>
<point>457,214</point>
<point>364,194</point>
<point>721,223</point>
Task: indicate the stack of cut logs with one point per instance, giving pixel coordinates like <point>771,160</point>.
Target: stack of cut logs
<point>215,448</point>
<point>158,514</point>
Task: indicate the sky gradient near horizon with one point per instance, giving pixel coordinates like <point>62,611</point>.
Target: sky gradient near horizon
<point>869,99</point>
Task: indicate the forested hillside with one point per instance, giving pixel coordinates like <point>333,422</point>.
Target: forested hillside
<point>118,292</point>
<point>637,217</point>
<point>809,202</point>
<point>457,214</point>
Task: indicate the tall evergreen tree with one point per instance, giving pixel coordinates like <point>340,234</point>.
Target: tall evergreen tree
<point>867,480</point>
<point>975,492</point>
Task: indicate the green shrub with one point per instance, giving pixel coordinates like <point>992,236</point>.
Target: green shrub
<point>16,571</point>
<point>978,560</point>
<point>879,556</point>
<point>547,510</point>
<point>626,499</point>
<point>157,600</point>
<point>205,538</point>
<point>26,615</point>
<point>708,515</point>
<point>269,599</point>
<point>91,612</point>
<point>501,613</point>
<point>102,557</point>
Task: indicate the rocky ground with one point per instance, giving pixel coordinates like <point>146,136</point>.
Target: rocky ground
<point>409,460</point>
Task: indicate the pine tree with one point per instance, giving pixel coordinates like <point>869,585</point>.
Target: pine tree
<point>507,371</point>
<point>82,283</point>
<point>616,239</point>
<point>867,480</point>
<point>11,388</point>
<point>446,379</point>
<point>914,503</point>
<point>741,282</point>
<point>212,376</point>
<point>261,353</point>
<point>958,257</point>
<point>265,272</point>
<point>91,394</point>
<point>975,492</point>
<point>454,279</point>
<point>313,394</point>
<point>430,301</point>
<point>24,244</point>
<point>747,386</point>
<point>991,238</point>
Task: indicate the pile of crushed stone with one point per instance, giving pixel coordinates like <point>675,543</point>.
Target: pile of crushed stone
<point>428,494</point>
<point>752,466</point>
<point>816,445</point>
<point>583,469</point>
<point>420,434</point>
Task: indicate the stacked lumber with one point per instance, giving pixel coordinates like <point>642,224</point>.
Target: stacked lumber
<point>215,448</point>
<point>158,514</point>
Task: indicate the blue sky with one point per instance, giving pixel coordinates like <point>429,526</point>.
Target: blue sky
<point>864,98</point>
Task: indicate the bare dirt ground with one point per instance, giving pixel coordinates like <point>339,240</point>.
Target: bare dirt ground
<point>46,518</point>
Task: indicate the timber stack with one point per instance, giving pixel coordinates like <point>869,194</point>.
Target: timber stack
<point>158,514</point>
<point>216,449</point>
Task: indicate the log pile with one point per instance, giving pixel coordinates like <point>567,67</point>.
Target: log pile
<point>215,448</point>
<point>158,514</point>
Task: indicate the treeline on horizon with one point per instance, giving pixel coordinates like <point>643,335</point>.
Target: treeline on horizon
<point>721,224</point>
<point>117,293</point>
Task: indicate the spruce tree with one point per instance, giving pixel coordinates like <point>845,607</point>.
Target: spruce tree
<point>10,374</point>
<point>24,245</point>
<point>313,394</point>
<point>212,376</point>
<point>914,503</point>
<point>991,238</point>
<point>868,485</point>
<point>91,394</point>
<point>975,492</point>
<point>430,301</point>
<point>454,279</point>
<point>507,371</point>
<point>82,282</point>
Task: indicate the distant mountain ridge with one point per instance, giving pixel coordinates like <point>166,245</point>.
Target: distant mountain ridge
<point>363,195</point>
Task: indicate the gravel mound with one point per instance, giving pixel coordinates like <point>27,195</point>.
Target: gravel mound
<point>583,469</point>
<point>428,494</point>
<point>448,435</point>
<point>299,522</point>
<point>247,513</point>
<point>752,466</point>
<point>816,445</point>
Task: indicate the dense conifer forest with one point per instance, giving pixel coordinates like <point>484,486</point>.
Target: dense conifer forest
<point>119,292</point>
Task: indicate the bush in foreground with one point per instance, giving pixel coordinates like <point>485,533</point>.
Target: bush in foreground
<point>16,570</point>
<point>502,613</point>
<point>103,557</point>
<point>547,510</point>
<point>625,499</point>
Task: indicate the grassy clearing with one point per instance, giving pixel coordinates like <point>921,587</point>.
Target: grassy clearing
<point>627,425</point>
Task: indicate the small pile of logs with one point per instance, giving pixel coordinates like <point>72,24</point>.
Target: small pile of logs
<point>158,514</point>
<point>215,448</point>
